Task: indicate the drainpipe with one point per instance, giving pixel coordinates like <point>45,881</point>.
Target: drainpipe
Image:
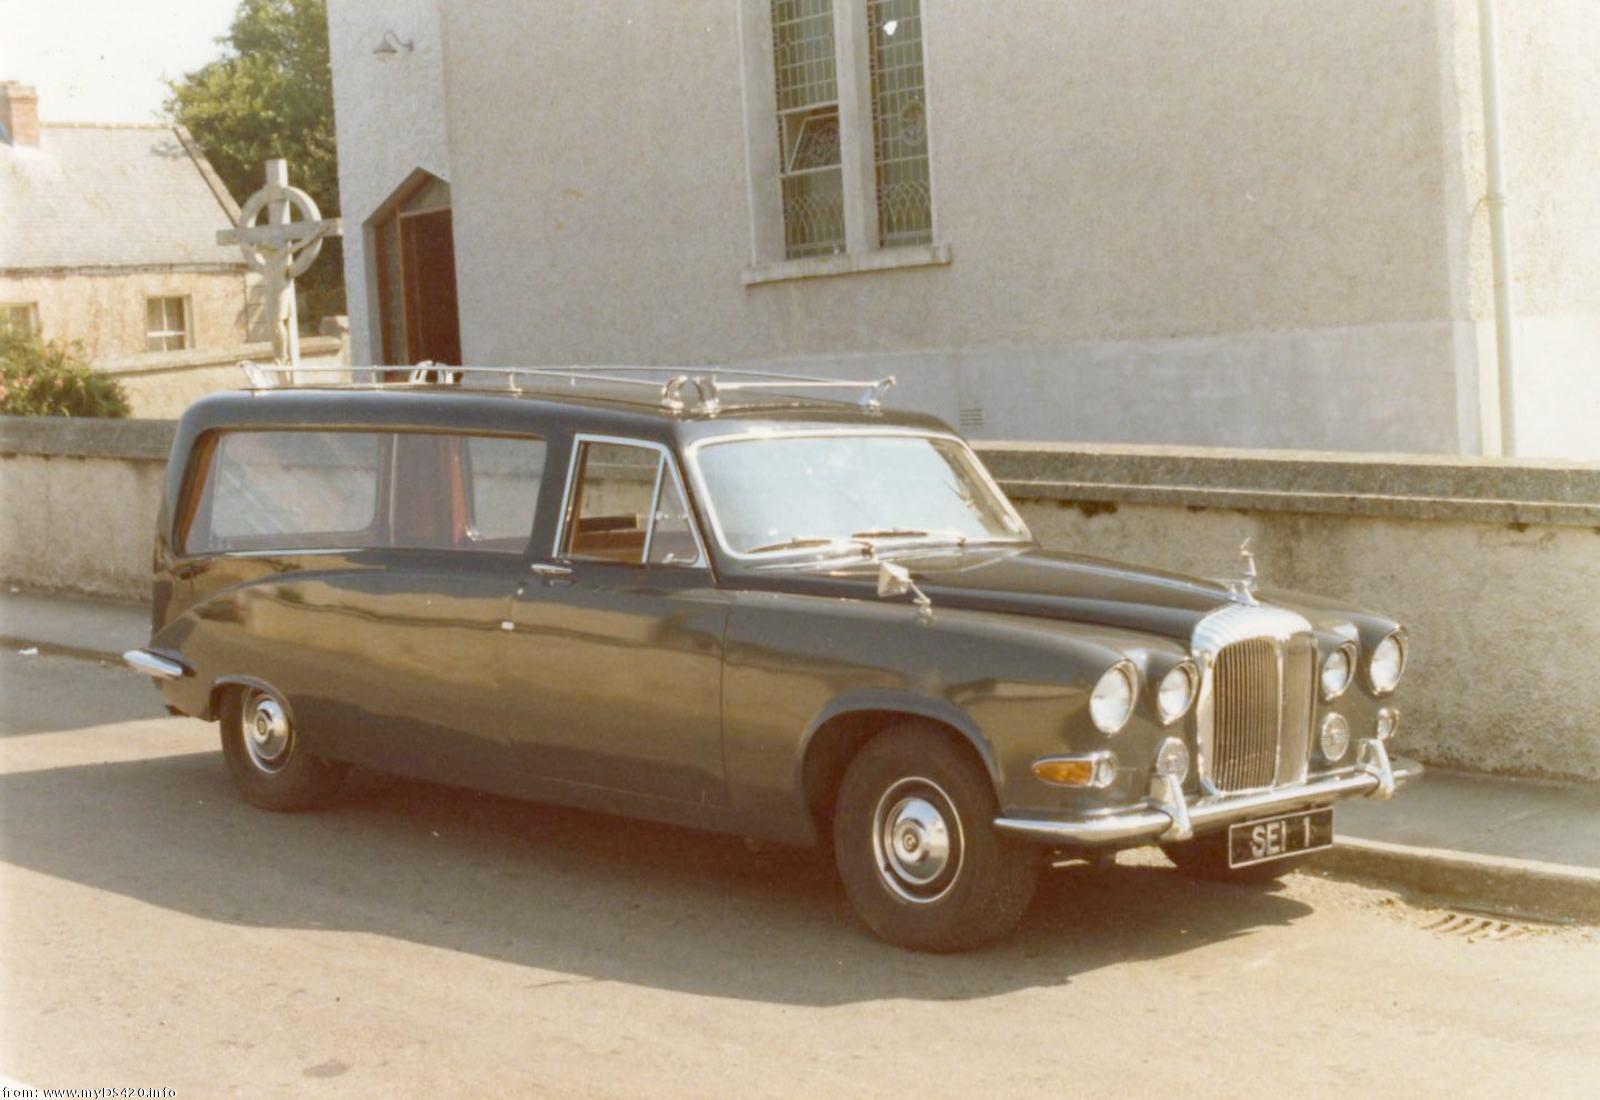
<point>1499,248</point>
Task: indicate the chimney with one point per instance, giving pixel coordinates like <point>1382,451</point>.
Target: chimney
<point>19,113</point>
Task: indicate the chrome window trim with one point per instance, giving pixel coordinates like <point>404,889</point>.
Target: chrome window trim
<point>666,460</point>
<point>692,458</point>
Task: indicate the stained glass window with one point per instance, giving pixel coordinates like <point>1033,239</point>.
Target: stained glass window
<point>899,122</point>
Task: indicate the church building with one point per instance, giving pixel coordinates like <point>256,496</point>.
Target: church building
<point>1242,223</point>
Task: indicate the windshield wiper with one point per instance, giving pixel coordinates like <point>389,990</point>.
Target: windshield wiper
<point>800,542</point>
<point>910,533</point>
<point>889,533</point>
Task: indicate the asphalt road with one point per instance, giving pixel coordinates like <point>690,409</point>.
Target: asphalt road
<point>418,940</point>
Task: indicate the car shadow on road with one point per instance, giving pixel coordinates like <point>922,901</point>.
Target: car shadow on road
<point>578,896</point>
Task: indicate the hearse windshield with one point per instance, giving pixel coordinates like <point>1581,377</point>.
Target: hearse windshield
<point>819,494</point>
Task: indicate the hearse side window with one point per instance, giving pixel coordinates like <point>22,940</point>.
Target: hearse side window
<point>505,475</point>
<point>308,490</point>
<point>271,489</point>
<point>628,507</point>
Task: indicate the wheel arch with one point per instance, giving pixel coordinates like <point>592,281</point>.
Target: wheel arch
<point>222,684</point>
<point>847,724</point>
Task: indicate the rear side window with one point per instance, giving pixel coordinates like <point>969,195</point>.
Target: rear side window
<point>274,484</point>
<point>309,490</point>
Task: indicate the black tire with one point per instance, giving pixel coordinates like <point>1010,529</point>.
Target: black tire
<point>292,779</point>
<point>1207,857</point>
<point>986,879</point>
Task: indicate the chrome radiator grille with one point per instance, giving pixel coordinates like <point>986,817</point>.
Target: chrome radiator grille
<point>1261,712</point>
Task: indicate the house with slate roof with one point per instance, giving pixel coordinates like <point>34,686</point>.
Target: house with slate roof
<point>108,236</point>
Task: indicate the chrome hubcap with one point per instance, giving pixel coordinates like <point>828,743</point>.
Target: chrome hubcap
<point>266,732</point>
<point>916,839</point>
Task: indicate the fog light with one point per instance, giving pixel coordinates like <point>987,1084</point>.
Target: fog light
<point>1388,722</point>
<point>1172,759</point>
<point>1095,770</point>
<point>1334,738</point>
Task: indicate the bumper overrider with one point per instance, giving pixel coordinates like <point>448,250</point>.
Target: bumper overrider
<point>1169,817</point>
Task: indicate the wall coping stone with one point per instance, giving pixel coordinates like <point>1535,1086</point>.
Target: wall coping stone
<point>87,437</point>
<point>1544,492</point>
<point>1425,487</point>
<point>163,362</point>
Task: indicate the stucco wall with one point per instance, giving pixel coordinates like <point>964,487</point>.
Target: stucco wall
<point>1492,565</point>
<point>1550,102</point>
<point>1217,221</point>
<point>106,312</point>
<point>390,115</point>
<point>79,500</point>
<point>1225,222</point>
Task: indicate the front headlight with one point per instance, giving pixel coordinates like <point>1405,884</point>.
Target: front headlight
<point>1338,670</point>
<point>1111,702</point>
<point>1387,663</point>
<point>1176,692</point>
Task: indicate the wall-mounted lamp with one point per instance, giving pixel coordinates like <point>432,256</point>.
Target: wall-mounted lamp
<point>392,44</point>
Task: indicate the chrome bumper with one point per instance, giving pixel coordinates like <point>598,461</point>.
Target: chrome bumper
<point>153,664</point>
<point>1168,817</point>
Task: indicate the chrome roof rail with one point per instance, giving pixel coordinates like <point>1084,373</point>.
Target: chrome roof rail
<point>704,390</point>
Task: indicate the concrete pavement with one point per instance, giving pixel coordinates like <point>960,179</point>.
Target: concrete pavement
<point>1523,846</point>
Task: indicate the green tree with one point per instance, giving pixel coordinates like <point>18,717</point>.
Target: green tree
<point>269,95</point>
<point>53,379</point>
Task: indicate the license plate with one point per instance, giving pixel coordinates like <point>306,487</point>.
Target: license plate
<point>1276,837</point>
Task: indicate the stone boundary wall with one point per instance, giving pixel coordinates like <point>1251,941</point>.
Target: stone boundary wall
<point>161,385</point>
<point>1493,565</point>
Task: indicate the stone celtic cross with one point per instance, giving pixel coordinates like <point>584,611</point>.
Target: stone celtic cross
<point>281,248</point>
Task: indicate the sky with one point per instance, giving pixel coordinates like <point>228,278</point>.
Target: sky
<point>105,60</point>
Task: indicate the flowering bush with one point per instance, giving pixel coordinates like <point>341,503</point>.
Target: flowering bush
<point>52,379</point>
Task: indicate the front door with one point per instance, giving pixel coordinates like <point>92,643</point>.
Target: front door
<point>617,635</point>
<point>427,246</point>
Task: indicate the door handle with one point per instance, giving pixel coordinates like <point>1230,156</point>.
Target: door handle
<point>549,571</point>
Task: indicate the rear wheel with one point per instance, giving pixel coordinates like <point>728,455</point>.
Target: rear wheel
<point>1207,857</point>
<point>262,747</point>
<point>915,844</point>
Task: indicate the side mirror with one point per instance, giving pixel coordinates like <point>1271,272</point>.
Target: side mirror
<point>893,580</point>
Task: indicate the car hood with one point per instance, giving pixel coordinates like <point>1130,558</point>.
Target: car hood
<point>1052,584</point>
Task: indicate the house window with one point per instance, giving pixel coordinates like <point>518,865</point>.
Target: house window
<point>844,174</point>
<point>19,317</point>
<point>166,326</point>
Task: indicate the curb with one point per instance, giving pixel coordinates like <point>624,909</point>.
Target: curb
<point>1524,887</point>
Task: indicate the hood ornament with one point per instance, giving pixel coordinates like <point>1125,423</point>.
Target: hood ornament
<point>1243,589</point>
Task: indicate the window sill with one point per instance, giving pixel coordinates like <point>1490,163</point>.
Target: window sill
<point>813,267</point>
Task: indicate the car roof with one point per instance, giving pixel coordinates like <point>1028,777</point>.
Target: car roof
<point>456,408</point>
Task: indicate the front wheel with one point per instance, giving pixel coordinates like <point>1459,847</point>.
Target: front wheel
<point>270,767</point>
<point>916,848</point>
<point>1207,857</point>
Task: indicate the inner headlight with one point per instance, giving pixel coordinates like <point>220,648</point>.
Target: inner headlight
<point>1338,670</point>
<point>1388,662</point>
<point>1176,692</point>
<point>1111,702</point>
